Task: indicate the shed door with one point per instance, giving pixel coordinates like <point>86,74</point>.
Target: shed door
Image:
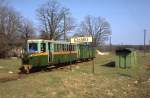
<point>122,61</point>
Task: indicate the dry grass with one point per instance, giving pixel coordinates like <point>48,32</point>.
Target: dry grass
<point>107,82</point>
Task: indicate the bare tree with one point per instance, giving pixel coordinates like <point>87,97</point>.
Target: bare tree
<point>26,31</point>
<point>8,28</point>
<point>9,23</point>
<point>12,27</point>
<point>55,19</point>
<point>97,27</point>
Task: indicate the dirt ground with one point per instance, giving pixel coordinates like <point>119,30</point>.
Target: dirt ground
<point>107,82</point>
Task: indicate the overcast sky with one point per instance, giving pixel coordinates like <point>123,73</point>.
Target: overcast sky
<point>128,18</point>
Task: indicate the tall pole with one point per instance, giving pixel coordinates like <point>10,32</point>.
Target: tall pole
<point>64,27</point>
<point>70,49</point>
<point>144,41</point>
<point>93,67</point>
<point>110,43</point>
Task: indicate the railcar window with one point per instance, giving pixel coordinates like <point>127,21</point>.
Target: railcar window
<point>67,47</point>
<point>64,49</point>
<point>73,47</point>
<point>33,47</point>
<point>55,47</point>
<point>70,47</point>
<point>43,47</point>
<point>61,48</point>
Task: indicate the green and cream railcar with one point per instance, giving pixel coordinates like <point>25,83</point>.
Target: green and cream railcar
<point>46,52</point>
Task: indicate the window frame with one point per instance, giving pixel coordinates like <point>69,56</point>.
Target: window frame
<point>44,48</point>
<point>36,47</point>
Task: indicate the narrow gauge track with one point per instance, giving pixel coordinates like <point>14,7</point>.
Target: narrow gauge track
<point>20,75</point>
<point>51,67</point>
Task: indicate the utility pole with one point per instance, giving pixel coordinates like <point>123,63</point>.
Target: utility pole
<point>149,45</point>
<point>64,27</point>
<point>144,41</point>
<point>110,43</point>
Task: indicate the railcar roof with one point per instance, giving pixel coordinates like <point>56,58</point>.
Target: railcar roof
<point>42,40</point>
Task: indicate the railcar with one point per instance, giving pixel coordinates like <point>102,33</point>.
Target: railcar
<point>41,53</point>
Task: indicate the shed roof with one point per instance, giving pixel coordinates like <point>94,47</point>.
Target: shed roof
<point>126,50</point>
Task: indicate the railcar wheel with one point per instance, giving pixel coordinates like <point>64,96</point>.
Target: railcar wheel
<point>27,68</point>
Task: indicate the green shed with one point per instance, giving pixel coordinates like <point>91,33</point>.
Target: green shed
<point>125,57</point>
